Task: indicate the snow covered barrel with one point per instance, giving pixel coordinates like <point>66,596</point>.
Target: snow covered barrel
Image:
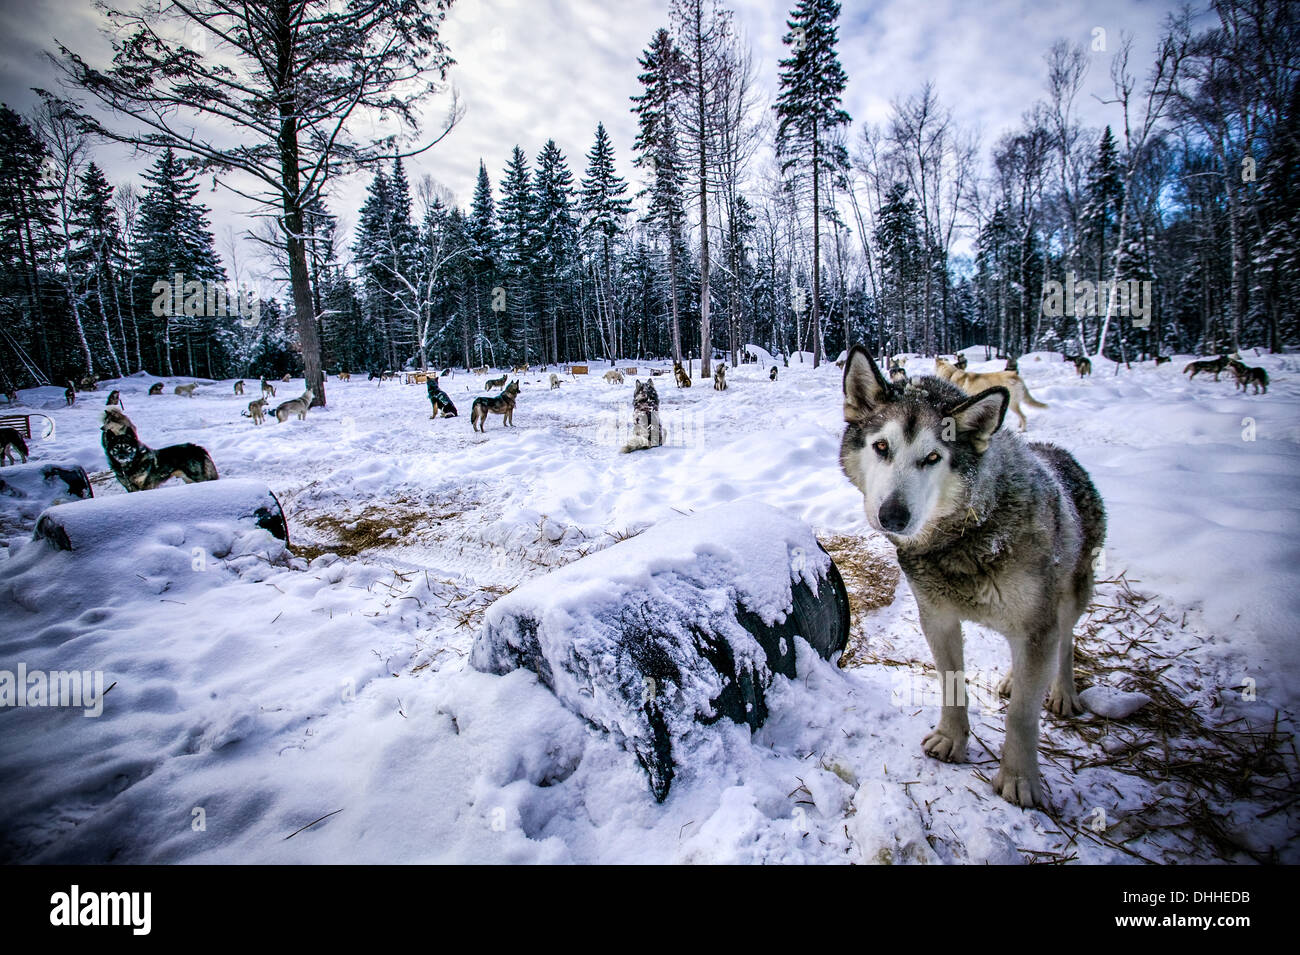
<point>657,637</point>
<point>112,521</point>
<point>28,489</point>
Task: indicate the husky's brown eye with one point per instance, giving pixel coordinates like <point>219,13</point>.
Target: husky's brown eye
<point>882,447</point>
<point>932,458</point>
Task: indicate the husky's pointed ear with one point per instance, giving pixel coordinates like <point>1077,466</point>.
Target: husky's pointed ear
<point>980,417</point>
<point>865,388</point>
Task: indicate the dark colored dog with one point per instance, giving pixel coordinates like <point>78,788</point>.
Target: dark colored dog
<point>1247,376</point>
<point>503,404</point>
<point>440,400</point>
<point>141,468</point>
<point>70,394</point>
<point>115,398</point>
<point>11,441</point>
<point>1082,363</point>
<point>156,388</point>
<point>772,374</point>
<point>1207,365</point>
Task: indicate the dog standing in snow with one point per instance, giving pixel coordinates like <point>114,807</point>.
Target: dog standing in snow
<point>647,431</point>
<point>987,528</point>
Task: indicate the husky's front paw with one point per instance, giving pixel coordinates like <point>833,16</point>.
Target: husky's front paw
<point>1063,701</point>
<point>945,745</point>
<point>1020,789</point>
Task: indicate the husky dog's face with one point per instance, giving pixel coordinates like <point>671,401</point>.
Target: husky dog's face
<point>909,449</point>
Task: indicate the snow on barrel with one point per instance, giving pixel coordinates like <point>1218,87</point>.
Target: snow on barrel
<point>658,636</point>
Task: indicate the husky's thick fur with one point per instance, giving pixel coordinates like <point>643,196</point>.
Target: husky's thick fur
<point>156,388</point>
<point>555,381</point>
<point>10,441</point>
<point>494,383</point>
<point>503,404</point>
<point>268,389</point>
<point>294,406</point>
<point>973,383</point>
<point>961,360</point>
<point>115,398</point>
<point>647,432</point>
<point>898,371</point>
<point>720,378</point>
<point>1213,366</point>
<point>141,468</point>
<point>186,390</point>
<point>614,376</point>
<point>1247,376</point>
<point>987,528</point>
<point>239,387</point>
<point>682,376</point>
<point>256,410</point>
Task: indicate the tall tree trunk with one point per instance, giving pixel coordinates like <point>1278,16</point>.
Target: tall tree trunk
<point>816,325</point>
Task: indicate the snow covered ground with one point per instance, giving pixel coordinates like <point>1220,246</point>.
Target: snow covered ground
<point>315,704</point>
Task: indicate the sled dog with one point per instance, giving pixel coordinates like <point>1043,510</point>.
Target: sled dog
<point>115,398</point>
<point>268,389</point>
<point>987,528</point>
<point>1213,366</point>
<point>503,404</point>
<point>961,360</point>
<point>555,381</point>
<point>720,378</point>
<point>683,379</point>
<point>239,387</point>
<point>897,372</point>
<point>771,375</point>
<point>973,382</point>
<point>141,468</point>
<point>186,390</point>
<point>156,388</point>
<point>647,432</point>
<point>439,399</point>
<point>294,406</point>
<point>1247,376</point>
<point>256,410</point>
<point>614,376</point>
<point>11,441</point>
<point>494,383</point>
<point>1082,363</point>
<point>70,395</point>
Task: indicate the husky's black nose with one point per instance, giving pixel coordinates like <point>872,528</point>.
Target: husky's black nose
<point>894,515</point>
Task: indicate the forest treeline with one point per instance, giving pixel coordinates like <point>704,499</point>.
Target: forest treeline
<point>753,215</point>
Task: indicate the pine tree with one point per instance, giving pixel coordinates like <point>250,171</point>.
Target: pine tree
<point>657,148</point>
<point>174,238</point>
<point>97,250</point>
<point>604,208</point>
<point>485,255</point>
<point>518,240</point>
<point>26,221</point>
<point>808,111</point>
<point>556,242</point>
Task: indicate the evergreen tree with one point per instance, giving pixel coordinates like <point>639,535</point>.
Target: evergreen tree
<point>518,241</point>
<point>556,246</point>
<point>604,208</point>
<point>97,250</point>
<point>808,112</point>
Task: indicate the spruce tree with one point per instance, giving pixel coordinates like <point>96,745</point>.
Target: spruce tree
<point>604,208</point>
<point>556,240</point>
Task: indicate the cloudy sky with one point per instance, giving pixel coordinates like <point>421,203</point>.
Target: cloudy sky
<point>528,70</point>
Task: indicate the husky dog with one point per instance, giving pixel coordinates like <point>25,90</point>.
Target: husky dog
<point>1082,363</point>
<point>614,376</point>
<point>186,390</point>
<point>683,379</point>
<point>1012,365</point>
<point>268,389</point>
<point>141,468</point>
<point>1247,376</point>
<point>647,432</point>
<point>503,404</point>
<point>239,387</point>
<point>446,373</point>
<point>897,372</point>
<point>1161,359</point>
<point>256,410</point>
<point>115,398</point>
<point>287,378</point>
<point>521,369</point>
<point>87,383</point>
<point>494,383</point>
<point>293,406</point>
<point>771,375</point>
<point>555,381</point>
<point>961,360</point>
<point>345,376</point>
<point>70,395</point>
<point>10,441</point>
<point>1208,365</point>
<point>440,400</point>
<point>156,388</point>
<point>987,528</point>
<point>973,382</point>
<point>720,378</point>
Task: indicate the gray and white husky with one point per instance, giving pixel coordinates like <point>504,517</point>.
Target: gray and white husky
<point>987,528</point>
<point>647,431</point>
<point>294,406</point>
